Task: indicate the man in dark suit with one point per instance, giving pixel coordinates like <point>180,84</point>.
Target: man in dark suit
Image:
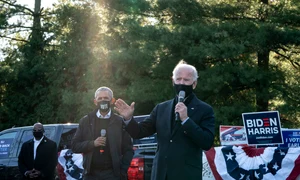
<point>38,156</point>
<point>180,143</point>
<point>101,138</point>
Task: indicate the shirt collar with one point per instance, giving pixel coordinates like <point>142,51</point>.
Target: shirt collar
<point>35,140</point>
<point>107,116</point>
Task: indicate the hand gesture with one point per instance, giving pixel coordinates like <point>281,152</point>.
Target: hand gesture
<point>124,109</point>
<point>182,110</point>
<point>34,173</point>
<point>100,141</point>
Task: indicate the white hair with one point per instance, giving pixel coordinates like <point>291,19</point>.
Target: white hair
<point>183,65</point>
<point>103,88</point>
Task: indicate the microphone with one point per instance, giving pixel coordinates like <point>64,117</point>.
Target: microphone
<point>102,133</point>
<point>181,96</point>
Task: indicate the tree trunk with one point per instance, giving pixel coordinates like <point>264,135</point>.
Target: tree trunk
<point>265,1</point>
<point>262,88</point>
<point>36,40</point>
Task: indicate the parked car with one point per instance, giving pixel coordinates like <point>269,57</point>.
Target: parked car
<point>11,141</point>
<point>144,152</point>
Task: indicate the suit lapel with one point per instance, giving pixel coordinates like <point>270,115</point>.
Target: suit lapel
<point>92,123</point>
<point>31,147</point>
<point>176,125</point>
<point>193,107</point>
<point>113,136</point>
<point>110,132</point>
<point>44,140</point>
<point>168,117</point>
<point>112,119</point>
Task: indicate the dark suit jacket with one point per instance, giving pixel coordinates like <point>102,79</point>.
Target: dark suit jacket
<point>179,151</point>
<point>45,160</point>
<point>120,143</point>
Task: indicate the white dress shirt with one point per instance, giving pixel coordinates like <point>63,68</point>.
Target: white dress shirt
<point>107,116</point>
<point>36,144</point>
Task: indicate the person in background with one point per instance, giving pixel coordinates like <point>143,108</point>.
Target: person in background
<point>106,146</point>
<point>181,142</point>
<point>38,156</point>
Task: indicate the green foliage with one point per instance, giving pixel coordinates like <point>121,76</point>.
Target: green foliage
<point>245,52</point>
<point>76,28</point>
<point>221,39</point>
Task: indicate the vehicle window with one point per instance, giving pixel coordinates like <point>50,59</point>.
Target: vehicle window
<point>66,137</point>
<point>5,143</point>
<point>146,140</point>
<point>27,135</point>
<point>50,132</point>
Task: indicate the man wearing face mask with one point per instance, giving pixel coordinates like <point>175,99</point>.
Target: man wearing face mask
<point>100,136</point>
<point>180,143</point>
<point>38,156</point>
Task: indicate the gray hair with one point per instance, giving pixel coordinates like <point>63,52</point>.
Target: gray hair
<point>182,64</point>
<point>103,88</point>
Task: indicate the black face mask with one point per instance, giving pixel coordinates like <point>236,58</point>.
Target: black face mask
<point>38,134</point>
<point>104,106</point>
<point>188,89</point>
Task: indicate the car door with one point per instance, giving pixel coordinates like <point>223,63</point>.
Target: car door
<point>25,135</point>
<point>66,137</point>
<point>8,139</point>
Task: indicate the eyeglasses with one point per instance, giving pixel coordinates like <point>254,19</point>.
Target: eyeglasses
<point>38,130</point>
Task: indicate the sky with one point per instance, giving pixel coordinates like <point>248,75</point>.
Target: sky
<point>30,3</point>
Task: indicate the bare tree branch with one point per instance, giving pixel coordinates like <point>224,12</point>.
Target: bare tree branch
<point>14,39</point>
<point>296,65</point>
<point>13,26</point>
<point>286,57</point>
<point>17,6</point>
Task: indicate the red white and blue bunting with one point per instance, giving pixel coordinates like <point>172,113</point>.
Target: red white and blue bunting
<point>245,163</point>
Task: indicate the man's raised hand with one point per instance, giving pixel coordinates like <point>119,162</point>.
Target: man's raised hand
<point>124,109</point>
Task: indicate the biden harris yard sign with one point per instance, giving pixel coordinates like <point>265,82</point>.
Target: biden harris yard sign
<point>263,128</point>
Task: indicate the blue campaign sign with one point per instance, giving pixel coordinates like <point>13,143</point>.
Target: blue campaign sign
<point>263,128</point>
<point>291,138</point>
<point>5,147</point>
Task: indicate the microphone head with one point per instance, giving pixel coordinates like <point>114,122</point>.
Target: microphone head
<point>181,96</point>
<point>103,132</point>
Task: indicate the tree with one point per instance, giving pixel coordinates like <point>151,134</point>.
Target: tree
<point>237,47</point>
<point>246,53</point>
<point>25,85</point>
<point>75,69</point>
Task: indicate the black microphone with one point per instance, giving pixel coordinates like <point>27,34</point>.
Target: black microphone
<point>102,133</point>
<point>181,96</point>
